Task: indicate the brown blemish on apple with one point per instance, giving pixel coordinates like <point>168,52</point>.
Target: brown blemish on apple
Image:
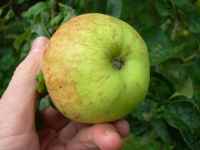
<point>60,85</point>
<point>71,91</point>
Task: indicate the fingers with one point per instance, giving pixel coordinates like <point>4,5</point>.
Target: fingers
<point>18,101</point>
<point>70,131</point>
<point>101,136</point>
<point>51,139</point>
<point>53,119</point>
<point>122,127</point>
<point>79,136</point>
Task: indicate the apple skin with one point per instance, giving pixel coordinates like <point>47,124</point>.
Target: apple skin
<point>80,72</point>
<point>198,3</point>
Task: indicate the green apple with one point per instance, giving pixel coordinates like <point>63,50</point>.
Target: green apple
<point>96,68</point>
<point>198,3</point>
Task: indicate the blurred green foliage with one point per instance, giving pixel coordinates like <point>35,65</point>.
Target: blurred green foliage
<point>169,118</point>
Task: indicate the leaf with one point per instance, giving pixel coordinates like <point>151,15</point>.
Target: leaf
<point>192,141</point>
<point>160,45</point>
<point>194,24</point>
<point>22,1</point>
<point>10,14</point>
<point>1,11</point>
<point>41,87</point>
<point>185,90</point>
<point>21,39</point>
<point>146,142</point>
<point>174,69</point>
<point>67,12</point>
<point>44,103</point>
<point>194,72</point>
<point>161,129</point>
<point>56,20</point>
<point>183,115</point>
<point>163,8</point>
<point>35,10</point>
<point>40,30</point>
<point>7,61</point>
<point>182,3</point>
<point>114,7</point>
<point>160,83</point>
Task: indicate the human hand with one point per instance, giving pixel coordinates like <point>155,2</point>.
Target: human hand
<point>17,117</point>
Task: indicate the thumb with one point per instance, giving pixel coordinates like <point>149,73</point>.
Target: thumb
<point>19,97</point>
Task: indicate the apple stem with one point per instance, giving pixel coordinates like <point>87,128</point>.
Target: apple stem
<point>117,63</point>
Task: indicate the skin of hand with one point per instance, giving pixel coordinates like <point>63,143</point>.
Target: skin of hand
<point>17,116</point>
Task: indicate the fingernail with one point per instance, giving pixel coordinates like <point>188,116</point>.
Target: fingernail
<point>111,140</point>
<point>39,44</point>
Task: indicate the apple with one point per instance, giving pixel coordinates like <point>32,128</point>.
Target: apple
<point>96,68</point>
<point>198,3</point>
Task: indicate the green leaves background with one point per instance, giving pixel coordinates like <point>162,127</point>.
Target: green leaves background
<point>169,118</point>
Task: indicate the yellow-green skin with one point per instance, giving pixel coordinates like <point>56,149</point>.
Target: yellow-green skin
<point>198,3</point>
<point>79,74</point>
